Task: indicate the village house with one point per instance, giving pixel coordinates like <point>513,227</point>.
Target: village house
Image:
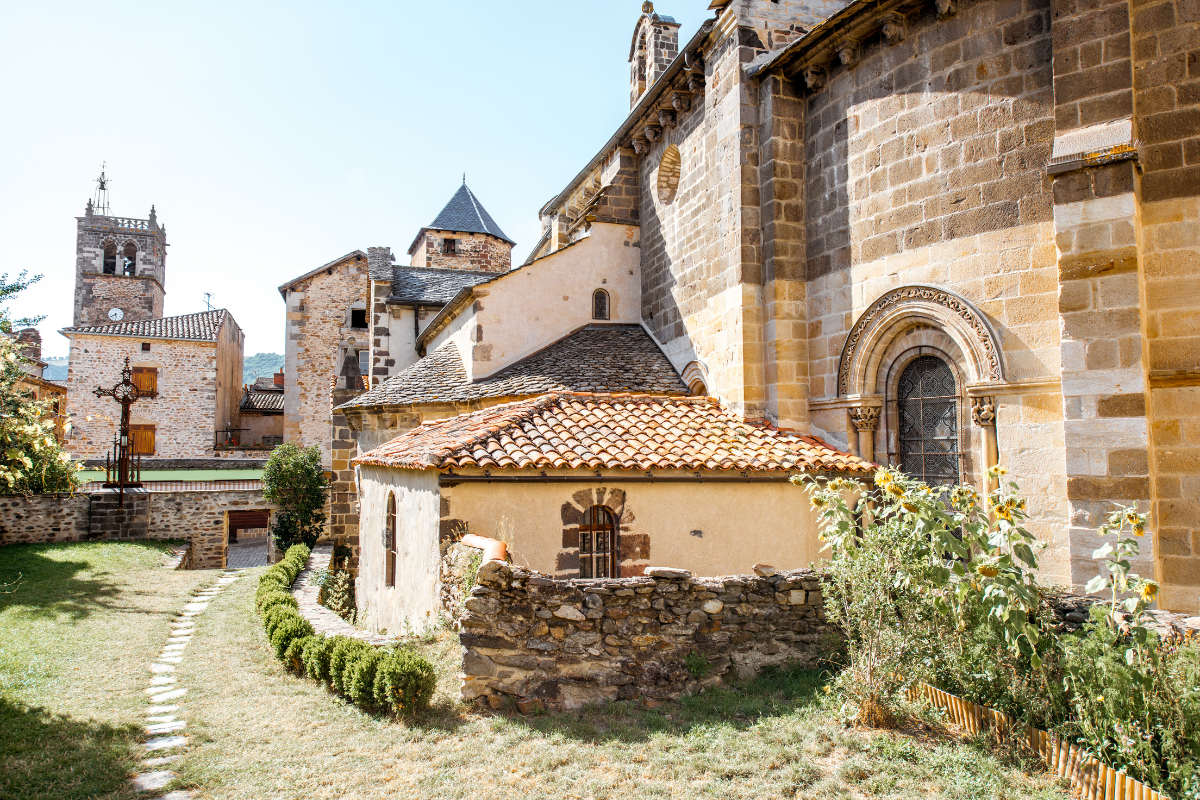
<point>261,414</point>
<point>36,385</point>
<point>591,486</point>
<point>943,236</point>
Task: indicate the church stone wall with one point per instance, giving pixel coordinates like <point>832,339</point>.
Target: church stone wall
<point>184,413</point>
<point>140,296</point>
<point>701,251</point>
<point>318,325</point>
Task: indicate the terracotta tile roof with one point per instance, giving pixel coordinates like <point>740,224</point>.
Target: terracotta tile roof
<point>432,286</point>
<point>202,327</point>
<point>597,358</point>
<point>593,431</point>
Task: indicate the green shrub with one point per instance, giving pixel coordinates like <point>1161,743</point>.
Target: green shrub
<point>273,599</point>
<point>343,650</point>
<point>404,682</point>
<point>295,480</point>
<point>273,618</point>
<point>697,664</point>
<point>359,677</point>
<point>291,626</point>
<point>316,657</point>
<point>293,658</point>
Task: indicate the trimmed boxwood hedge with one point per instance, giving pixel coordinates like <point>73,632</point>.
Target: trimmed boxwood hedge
<point>397,679</point>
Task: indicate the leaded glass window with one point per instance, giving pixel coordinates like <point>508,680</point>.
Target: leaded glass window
<point>597,544</point>
<point>928,405</point>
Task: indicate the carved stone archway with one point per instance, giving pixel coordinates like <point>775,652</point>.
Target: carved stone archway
<point>912,305</point>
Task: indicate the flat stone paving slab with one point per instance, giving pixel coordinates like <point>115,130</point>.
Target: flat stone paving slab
<point>321,618</point>
<point>152,781</point>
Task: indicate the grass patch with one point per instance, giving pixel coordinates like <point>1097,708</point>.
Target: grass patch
<point>259,732</point>
<point>76,638</point>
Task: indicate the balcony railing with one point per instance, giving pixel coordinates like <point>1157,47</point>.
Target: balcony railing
<point>242,439</point>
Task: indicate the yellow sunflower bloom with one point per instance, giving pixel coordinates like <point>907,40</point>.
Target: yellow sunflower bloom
<point>1148,591</point>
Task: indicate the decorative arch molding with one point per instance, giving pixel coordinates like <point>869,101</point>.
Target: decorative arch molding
<point>694,373</point>
<point>902,308</point>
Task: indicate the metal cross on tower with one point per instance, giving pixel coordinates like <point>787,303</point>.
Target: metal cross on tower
<point>122,472</point>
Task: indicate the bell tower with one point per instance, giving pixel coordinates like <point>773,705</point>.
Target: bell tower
<point>120,265</point>
<point>655,45</point>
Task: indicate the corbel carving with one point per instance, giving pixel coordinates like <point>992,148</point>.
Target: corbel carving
<point>666,118</point>
<point>847,52</point>
<point>682,101</point>
<point>865,418</point>
<point>695,82</point>
<point>946,8</point>
<point>640,145</point>
<point>983,411</point>
<point>895,28</point>
<point>814,77</point>
<point>653,132</point>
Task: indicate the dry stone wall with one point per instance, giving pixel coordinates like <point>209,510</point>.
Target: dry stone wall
<point>196,516</point>
<point>473,251</point>
<point>561,644</point>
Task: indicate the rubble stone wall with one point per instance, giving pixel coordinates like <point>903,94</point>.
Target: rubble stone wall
<point>561,644</point>
<point>473,251</point>
<point>43,518</point>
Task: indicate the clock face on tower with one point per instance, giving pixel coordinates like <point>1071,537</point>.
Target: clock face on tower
<point>116,314</point>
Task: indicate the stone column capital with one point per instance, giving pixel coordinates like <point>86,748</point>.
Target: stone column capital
<point>983,411</point>
<point>865,418</point>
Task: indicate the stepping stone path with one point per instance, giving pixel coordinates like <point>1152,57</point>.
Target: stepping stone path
<point>306,591</point>
<point>164,728</point>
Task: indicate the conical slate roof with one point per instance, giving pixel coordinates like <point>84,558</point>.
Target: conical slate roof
<point>466,214</point>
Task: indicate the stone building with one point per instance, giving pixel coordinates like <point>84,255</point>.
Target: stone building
<point>35,384</point>
<point>262,414</point>
<point>193,362</point>
<point>120,268</point>
<point>943,235</point>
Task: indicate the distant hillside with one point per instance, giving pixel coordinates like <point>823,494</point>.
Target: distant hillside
<point>56,369</point>
<point>260,365</point>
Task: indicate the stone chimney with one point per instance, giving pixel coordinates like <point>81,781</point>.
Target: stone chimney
<point>655,45</point>
<point>379,263</point>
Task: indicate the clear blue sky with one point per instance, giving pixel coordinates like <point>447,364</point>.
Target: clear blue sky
<point>273,137</point>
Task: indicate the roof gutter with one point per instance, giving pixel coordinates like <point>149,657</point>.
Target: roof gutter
<point>451,479</point>
<point>649,99</point>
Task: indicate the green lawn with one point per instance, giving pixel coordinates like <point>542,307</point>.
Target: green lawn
<point>86,620</point>
<point>79,624</point>
<point>259,732</point>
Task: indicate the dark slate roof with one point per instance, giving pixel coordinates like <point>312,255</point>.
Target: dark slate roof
<point>267,384</point>
<point>431,285</point>
<point>202,327</point>
<point>598,358</point>
<point>465,213</point>
<point>262,401</point>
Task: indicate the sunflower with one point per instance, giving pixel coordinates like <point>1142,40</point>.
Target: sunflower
<point>883,479</point>
<point>987,570</point>
<point>1139,530</point>
<point>819,502</point>
<point>911,508</point>
<point>1148,590</point>
<point>895,489</point>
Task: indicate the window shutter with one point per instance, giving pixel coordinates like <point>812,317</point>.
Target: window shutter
<point>145,379</point>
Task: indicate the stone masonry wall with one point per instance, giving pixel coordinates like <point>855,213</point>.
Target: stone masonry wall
<point>43,518</point>
<point>318,327</point>
<point>196,516</point>
<point>561,644</point>
<point>184,413</point>
<point>140,296</point>
<point>474,251</point>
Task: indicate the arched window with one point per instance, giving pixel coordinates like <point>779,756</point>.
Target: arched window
<point>598,544</point>
<point>927,399</point>
<point>129,259</point>
<point>600,304</point>
<point>668,174</point>
<point>389,543</point>
<point>110,258</point>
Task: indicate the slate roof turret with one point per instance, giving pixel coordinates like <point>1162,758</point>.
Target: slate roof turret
<point>463,214</point>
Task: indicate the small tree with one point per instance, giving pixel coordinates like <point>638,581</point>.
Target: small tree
<point>294,479</point>
<point>31,459</point>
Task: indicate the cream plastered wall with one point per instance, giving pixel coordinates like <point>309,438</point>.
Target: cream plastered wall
<point>414,600</point>
<point>531,307</point>
<point>708,528</point>
<point>400,342</point>
<point>184,413</point>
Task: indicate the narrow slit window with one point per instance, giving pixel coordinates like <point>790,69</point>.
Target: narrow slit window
<point>389,543</point>
<point>600,304</point>
<point>358,318</point>
<point>364,363</point>
<point>597,544</point>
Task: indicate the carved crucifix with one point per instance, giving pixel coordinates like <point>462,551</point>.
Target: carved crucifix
<point>119,464</point>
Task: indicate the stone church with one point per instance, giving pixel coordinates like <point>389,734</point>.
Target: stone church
<point>942,235</point>
<point>192,362</point>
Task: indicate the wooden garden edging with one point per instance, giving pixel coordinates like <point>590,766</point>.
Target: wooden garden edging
<point>1095,781</point>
